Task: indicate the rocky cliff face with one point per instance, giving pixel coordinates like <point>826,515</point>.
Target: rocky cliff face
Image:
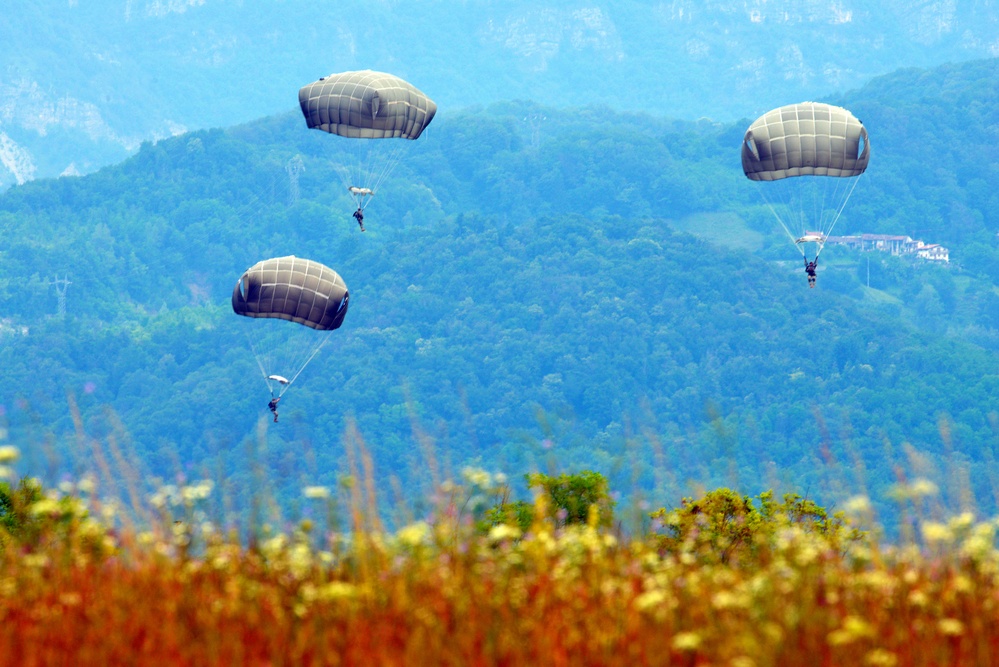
<point>84,83</point>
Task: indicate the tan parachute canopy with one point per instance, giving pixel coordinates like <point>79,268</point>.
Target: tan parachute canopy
<point>294,289</point>
<point>807,139</point>
<point>367,105</point>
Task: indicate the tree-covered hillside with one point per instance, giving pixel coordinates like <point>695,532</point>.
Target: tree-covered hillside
<point>576,283</point>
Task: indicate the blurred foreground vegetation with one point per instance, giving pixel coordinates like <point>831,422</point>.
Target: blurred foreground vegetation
<point>486,579</point>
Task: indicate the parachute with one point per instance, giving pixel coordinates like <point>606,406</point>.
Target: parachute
<point>807,158</point>
<point>366,105</point>
<point>298,291</point>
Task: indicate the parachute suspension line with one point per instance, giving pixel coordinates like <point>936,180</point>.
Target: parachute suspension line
<point>297,362</point>
<point>392,158</point>
<point>315,350</point>
<point>839,211</point>
<point>260,364</point>
<point>366,164</point>
<point>773,209</point>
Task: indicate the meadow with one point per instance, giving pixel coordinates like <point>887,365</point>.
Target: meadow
<point>718,579</point>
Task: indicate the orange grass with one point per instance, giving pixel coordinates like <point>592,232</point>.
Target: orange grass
<point>441,593</point>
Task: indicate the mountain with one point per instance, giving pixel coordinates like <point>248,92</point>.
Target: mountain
<point>588,287</point>
<point>82,84</point>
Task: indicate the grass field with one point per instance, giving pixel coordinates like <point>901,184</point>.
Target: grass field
<point>726,229</point>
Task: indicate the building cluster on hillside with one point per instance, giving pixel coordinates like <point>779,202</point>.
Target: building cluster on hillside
<point>896,245</point>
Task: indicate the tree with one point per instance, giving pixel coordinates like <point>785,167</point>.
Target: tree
<point>571,497</point>
<point>725,526</point>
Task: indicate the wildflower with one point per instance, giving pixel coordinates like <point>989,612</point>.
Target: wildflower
<point>858,506</point>
<point>274,546</point>
<point>195,492</point>
<point>686,641</point>
<point>477,477</point>
<point>951,627</point>
<point>91,528</point>
<point>880,658</point>
<point>171,494</point>
<point>504,532</point>
<point>923,487</point>
<point>338,590</point>
<point>86,484</point>
<point>936,533</point>
<point>963,584</point>
<point>9,454</point>
<point>317,492</point>
<point>962,521</point>
<point>979,544</point>
<point>35,560</point>
<point>109,510</point>
<point>44,506</point>
<point>728,600</point>
<point>807,555</point>
<point>854,628</point>
<point>650,599</point>
<point>300,560</point>
<point>414,534</point>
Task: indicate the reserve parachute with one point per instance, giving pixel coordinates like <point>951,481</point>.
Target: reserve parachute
<point>306,295</point>
<point>806,158</point>
<point>363,106</point>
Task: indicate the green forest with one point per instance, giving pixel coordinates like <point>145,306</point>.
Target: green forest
<point>537,288</point>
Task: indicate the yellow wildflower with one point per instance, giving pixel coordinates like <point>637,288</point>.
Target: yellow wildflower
<point>338,590</point>
<point>936,533</point>
<point>951,627</point>
<point>503,532</point>
<point>854,628</point>
<point>650,599</point>
<point>414,534</point>
<point>880,658</point>
<point>686,641</point>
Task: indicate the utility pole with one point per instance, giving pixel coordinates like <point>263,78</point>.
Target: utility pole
<point>60,285</point>
<point>294,167</point>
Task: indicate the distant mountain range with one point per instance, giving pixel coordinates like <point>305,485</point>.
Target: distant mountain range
<point>82,84</point>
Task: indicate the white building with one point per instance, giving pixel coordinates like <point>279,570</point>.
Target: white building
<point>895,245</point>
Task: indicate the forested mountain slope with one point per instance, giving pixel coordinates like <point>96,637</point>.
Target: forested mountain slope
<point>522,292</point>
<point>83,83</point>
